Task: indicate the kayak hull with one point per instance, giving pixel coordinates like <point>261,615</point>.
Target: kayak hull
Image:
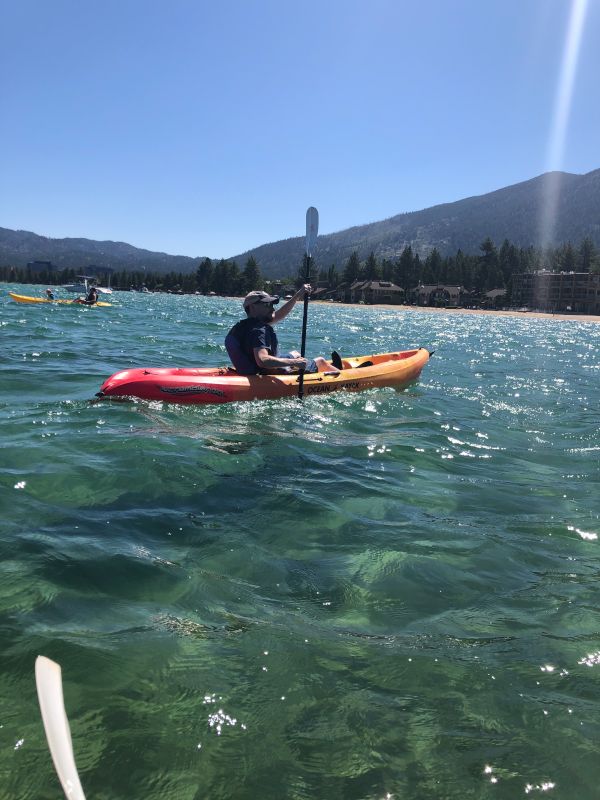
<point>24,298</point>
<point>224,385</point>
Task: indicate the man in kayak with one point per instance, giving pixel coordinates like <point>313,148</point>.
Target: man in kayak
<point>90,299</point>
<point>49,294</point>
<point>252,343</point>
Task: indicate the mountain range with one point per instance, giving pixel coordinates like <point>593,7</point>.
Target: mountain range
<point>512,213</point>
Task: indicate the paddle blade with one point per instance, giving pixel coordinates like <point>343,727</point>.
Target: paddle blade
<point>312,229</point>
<point>50,695</point>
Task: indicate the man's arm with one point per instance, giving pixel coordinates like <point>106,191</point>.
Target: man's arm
<point>285,309</point>
<point>267,361</point>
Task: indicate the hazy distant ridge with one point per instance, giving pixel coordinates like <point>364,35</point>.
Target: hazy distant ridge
<point>512,213</point>
<point>19,247</point>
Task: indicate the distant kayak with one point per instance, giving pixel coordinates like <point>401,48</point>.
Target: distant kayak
<point>23,298</point>
<point>224,385</point>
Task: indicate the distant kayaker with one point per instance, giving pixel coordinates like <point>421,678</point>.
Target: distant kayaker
<point>92,296</point>
<point>90,299</point>
<point>49,294</point>
<point>252,343</point>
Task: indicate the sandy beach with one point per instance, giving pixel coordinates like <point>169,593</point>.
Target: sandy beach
<point>482,311</point>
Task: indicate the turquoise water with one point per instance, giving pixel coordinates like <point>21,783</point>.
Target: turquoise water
<point>361,596</point>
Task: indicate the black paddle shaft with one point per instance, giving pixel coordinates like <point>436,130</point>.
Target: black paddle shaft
<point>312,230</point>
<point>304,325</point>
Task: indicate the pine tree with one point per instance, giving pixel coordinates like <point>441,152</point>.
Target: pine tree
<point>251,278</point>
<point>508,259</point>
<point>466,267</point>
<point>453,273</point>
<point>489,275</point>
<point>387,270</point>
<point>432,269</point>
<point>567,258</point>
<point>234,279</point>
<point>220,277</point>
<point>204,276</point>
<point>404,271</point>
<point>371,272</point>
<point>527,257</point>
<point>352,269</point>
<point>188,283</point>
<point>587,255</point>
<point>417,270</point>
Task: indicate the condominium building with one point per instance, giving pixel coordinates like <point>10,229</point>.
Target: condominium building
<point>557,291</point>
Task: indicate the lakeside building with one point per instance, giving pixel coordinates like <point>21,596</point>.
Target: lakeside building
<point>280,288</point>
<point>370,292</point>
<point>578,292</point>
<point>438,295</point>
<point>376,292</point>
<point>495,298</point>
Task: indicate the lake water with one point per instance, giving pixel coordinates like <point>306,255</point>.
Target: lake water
<point>363,596</point>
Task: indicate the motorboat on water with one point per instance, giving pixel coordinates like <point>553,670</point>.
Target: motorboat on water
<point>84,285</point>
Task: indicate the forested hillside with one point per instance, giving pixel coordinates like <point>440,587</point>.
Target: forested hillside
<point>513,213</point>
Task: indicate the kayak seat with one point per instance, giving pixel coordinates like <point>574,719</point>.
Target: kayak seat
<point>336,360</point>
<point>365,364</point>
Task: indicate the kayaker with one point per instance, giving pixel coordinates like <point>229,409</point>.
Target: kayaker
<point>49,294</point>
<point>92,296</point>
<point>90,299</point>
<point>252,343</point>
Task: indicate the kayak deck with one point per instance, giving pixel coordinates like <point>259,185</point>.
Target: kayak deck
<point>224,385</point>
<point>24,298</point>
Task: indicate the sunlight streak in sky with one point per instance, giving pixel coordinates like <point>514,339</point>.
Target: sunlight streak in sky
<point>560,118</point>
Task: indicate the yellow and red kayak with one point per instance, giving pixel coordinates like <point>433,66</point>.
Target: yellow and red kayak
<point>224,385</point>
<point>24,298</point>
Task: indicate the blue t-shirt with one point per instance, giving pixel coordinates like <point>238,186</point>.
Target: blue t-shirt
<point>241,340</point>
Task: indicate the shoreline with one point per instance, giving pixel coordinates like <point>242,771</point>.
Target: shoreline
<point>481,311</point>
<point>434,310</point>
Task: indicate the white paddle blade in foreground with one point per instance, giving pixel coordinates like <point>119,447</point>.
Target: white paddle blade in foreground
<point>312,229</point>
<point>50,694</point>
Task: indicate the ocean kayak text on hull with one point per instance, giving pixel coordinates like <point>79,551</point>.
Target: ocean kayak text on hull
<point>224,385</point>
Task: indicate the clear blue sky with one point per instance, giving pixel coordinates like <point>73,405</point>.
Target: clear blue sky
<point>204,128</point>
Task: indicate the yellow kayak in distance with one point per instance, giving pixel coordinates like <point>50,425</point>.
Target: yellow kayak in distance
<point>24,298</point>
